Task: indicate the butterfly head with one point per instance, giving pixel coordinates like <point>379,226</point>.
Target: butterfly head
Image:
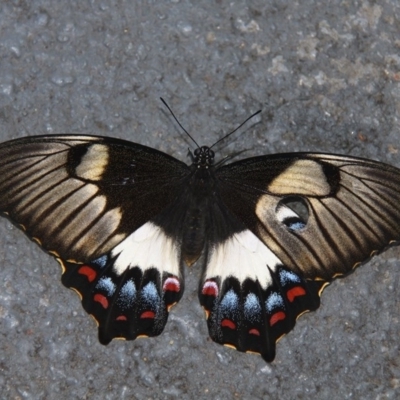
<point>203,157</point>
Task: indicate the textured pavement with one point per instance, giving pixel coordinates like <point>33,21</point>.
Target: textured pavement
<point>327,77</point>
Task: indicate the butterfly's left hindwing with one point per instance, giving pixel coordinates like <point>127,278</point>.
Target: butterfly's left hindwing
<point>90,201</point>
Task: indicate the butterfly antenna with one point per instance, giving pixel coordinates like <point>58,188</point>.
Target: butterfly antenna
<point>176,119</point>
<point>230,133</point>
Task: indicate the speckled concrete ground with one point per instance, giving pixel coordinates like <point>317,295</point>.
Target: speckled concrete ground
<point>327,77</point>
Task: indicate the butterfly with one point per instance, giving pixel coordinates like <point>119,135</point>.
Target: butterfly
<point>268,232</point>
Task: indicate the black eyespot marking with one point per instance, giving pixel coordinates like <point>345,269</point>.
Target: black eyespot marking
<point>293,212</point>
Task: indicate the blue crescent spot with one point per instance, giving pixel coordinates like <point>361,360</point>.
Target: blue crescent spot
<point>100,262</point>
<point>150,295</point>
<point>274,301</point>
<point>252,307</point>
<point>229,302</point>
<point>127,295</point>
<point>296,226</point>
<point>107,285</point>
<point>288,277</point>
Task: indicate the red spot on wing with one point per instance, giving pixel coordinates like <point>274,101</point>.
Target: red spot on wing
<point>89,272</point>
<point>254,331</point>
<point>295,292</point>
<point>279,316</point>
<point>172,284</point>
<point>99,298</point>
<point>227,323</point>
<point>210,288</point>
<point>121,318</point>
<point>148,314</point>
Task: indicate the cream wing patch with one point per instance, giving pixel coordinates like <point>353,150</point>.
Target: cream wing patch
<point>147,247</point>
<point>242,256</point>
<point>304,177</point>
<point>93,163</point>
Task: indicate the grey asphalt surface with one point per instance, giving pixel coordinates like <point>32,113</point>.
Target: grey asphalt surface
<point>327,77</point>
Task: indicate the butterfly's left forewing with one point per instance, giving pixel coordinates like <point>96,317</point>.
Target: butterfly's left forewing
<point>90,202</point>
<point>351,208</point>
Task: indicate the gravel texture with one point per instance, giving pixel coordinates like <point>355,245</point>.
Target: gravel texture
<point>327,77</point>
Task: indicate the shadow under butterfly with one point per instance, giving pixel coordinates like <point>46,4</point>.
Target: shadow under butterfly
<point>272,231</point>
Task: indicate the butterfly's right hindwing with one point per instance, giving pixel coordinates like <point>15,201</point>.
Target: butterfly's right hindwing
<point>130,290</point>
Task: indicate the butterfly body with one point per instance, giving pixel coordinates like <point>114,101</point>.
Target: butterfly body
<point>269,232</point>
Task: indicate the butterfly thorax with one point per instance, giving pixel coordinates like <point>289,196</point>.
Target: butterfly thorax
<point>203,157</point>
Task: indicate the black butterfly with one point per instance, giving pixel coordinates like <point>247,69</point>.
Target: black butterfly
<point>270,232</point>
